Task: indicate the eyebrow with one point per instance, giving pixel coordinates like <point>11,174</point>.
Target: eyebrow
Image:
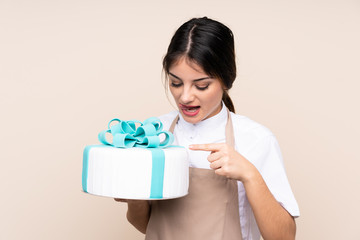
<point>195,80</point>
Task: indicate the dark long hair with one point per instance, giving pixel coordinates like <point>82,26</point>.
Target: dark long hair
<point>209,44</point>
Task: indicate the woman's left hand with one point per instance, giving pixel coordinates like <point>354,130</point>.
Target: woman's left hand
<point>226,161</point>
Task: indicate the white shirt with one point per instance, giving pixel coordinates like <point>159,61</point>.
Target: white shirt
<point>253,141</point>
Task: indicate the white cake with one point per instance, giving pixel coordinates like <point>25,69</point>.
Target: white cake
<point>135,173</point>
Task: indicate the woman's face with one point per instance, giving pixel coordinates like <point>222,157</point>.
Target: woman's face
<point>197,95</point>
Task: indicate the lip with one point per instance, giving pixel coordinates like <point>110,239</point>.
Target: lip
<point>187,106</point>
<point>189,114</point>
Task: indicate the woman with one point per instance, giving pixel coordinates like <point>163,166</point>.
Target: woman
<point>238,186</point>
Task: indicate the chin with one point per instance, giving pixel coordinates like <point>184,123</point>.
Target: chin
<point>192,120</point>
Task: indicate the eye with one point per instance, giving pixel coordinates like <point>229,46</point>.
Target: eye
<point>202,88</point>
<point>176,85</point>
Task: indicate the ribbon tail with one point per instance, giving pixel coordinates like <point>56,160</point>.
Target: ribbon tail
<point>157,173</point>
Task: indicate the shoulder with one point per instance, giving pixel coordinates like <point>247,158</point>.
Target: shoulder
<point>168,118</point>
<point>248,133</point>
<point>244,124</point>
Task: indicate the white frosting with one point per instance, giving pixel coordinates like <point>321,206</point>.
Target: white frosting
<point>126,173</point>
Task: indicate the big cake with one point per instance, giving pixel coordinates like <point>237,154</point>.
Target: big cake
<point>135,164</point>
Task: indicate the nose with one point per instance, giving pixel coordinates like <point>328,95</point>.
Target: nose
<point>187,95</point>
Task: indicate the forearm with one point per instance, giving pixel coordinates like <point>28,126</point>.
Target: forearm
<point>273,220</point>
<point>138,214</point>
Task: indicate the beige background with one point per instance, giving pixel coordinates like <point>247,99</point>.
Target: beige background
<point>68,67</point>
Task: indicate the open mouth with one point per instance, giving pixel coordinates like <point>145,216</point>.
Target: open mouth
<point>190,110</point>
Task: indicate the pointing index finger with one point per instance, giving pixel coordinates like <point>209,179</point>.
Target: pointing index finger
<point>206,147</point>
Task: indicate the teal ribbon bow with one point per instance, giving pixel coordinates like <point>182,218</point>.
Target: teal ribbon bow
<point>126,135</point>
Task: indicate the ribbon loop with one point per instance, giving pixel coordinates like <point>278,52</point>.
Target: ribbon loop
<point>145,130</point>
<point>113,120</point>
<point>169,139</point>
<point>125,134</point>
<point>156,122</point>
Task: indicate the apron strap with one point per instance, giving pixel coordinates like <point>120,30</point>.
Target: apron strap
<point>172,127</point>
<point>229,131</point>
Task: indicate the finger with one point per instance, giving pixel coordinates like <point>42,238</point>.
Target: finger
<point>214,156</point>
<point>120,200</point>
<point>207,147</point>
<point>221,172</point>
<point>216,164</point>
